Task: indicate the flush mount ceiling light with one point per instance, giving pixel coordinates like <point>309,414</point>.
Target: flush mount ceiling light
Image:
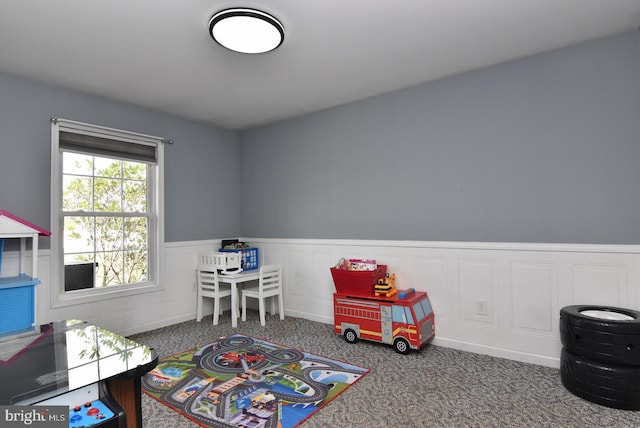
<point>246,30</point>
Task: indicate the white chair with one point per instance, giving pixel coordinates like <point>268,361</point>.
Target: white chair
<point>227,262</point>
<point>208,284</point>
<point>269,285</point>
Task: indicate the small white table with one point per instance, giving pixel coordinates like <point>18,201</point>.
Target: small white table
<point>234,279</point>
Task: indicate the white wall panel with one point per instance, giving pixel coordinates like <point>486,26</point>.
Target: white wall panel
<point>430,275</point>
<point>478,287</point>
<point>524,286</point>
<point>600,284</point>
<point>298,287</point>
<point>534,297</point>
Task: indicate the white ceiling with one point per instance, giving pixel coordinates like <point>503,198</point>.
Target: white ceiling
<point>158,53</point>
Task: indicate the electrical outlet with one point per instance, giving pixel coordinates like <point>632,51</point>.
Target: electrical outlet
<point>481,307</point>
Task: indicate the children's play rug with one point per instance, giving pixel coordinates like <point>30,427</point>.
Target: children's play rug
<point>240,381</point>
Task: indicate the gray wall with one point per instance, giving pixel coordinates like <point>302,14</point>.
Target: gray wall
<point>544,149</point>
<point>201,156</point>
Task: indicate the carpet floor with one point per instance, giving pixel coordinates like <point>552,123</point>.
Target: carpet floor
<point>436,387</point>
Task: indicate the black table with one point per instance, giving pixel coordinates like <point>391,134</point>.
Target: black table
<point>61,357</point>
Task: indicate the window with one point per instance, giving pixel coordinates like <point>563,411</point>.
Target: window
<point>402,314</point>
<point>422,309</point>
<point>106,211</point>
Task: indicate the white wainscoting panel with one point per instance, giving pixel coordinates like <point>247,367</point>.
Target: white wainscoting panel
<point>605,284</point>
<point>534,297</point>
<point>478,286</point>
<point>501,299</point>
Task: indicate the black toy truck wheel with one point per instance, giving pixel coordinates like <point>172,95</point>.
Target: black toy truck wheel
<point>603,334</point>
<point>609,385</point>
<point>401,346</point>
<point>350,336</point>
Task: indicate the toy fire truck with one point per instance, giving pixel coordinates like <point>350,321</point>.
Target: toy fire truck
<point>367,306</point>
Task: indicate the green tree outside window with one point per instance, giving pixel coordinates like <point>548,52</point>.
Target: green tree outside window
<point>106,217</point>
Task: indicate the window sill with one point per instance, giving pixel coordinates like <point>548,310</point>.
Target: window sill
<point>96,295</point>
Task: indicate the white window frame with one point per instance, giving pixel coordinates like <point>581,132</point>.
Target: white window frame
<point>60,298</point>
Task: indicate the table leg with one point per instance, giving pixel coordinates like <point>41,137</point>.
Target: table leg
<point>126,393</point>
<point>234,304</point>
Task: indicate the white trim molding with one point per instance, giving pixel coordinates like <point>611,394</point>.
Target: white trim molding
<point>521,287</point>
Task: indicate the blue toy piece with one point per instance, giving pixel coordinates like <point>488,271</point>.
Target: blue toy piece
<point>404,294</point>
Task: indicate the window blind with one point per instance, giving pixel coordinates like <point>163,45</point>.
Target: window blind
<point>129,150</point>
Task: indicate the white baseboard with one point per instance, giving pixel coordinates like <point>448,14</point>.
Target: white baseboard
<point>498,352</point>
<point>141,328</point>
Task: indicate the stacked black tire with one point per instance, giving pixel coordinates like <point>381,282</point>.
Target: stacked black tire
<point>600,359</point>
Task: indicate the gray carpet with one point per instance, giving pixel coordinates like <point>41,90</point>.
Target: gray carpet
<point>436,387</point>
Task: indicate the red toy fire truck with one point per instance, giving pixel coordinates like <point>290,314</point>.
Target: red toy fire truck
<point>402,318</point>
